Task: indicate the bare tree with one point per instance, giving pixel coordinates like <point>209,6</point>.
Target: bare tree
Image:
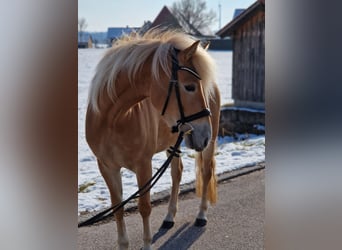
<point>82,25</point>
<point>193,15</point>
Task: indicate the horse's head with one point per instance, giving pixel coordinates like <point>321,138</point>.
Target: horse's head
<point>185,106</point>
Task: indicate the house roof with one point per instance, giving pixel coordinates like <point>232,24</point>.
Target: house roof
<point>116,32</point>
<point>241,18</point>
<point>237,12</point>
<point>165,18</point>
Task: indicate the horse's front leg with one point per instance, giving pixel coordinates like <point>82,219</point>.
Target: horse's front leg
<point>176,173</point>
<point>206,168</point>
<point>144,174</point>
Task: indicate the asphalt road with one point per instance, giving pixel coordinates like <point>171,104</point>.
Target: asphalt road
<point>235,222</point>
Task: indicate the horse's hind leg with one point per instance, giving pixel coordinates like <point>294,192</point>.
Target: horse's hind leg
<point>144,174</point>
<point>112,177</point>
<point>206,182</point>
<point>176,173</point>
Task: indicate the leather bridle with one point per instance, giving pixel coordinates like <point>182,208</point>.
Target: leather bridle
<point>174,84</point>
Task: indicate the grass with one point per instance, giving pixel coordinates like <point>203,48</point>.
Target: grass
<point>83,187</point>
<point>191,156</point>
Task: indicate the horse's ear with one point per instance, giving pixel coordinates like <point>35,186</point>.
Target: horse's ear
<point>205,45</point>
<point>190,51</point>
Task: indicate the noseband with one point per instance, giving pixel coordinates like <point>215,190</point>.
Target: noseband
<point>174,83</point>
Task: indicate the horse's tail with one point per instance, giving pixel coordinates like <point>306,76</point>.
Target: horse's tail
<point>212,185</point>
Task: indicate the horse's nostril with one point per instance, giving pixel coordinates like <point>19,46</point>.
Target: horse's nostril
<point>206,142</point>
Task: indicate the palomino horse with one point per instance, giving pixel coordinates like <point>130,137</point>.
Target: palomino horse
<point>132,110</point>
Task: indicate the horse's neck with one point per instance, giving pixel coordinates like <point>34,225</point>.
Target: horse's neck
<point>126,97</point>
<point>126,101</point>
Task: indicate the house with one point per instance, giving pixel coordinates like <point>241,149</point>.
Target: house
<point>85,42</point>
<point>114,33</point>
<point>237,12</point>
<point>146,26</point>
<point>247,31</point>
<point>166,20</point>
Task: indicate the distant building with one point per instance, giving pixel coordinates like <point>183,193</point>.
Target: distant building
<point>146,26</point>
<point>166,20</point>
<point>219,44</point>
<point>247,31</point>
<point>237,12</point>
<point>114,33</point>
<point>85,42</point>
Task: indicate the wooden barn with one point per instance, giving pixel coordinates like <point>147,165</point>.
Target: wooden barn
<point>247,31</point>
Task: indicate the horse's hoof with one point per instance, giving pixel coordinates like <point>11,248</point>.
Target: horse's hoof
<point>167,224</point>
<point>200,222</point>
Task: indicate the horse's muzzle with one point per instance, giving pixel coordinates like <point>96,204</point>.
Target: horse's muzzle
<point>199,137</point>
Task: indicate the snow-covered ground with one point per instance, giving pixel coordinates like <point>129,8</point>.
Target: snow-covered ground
<point>231,154</point>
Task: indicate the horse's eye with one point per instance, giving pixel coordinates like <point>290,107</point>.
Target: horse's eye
<point>190,87</point>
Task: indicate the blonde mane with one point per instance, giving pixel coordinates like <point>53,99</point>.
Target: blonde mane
<point>131,52</point>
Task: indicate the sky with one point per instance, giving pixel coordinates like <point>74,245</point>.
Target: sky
<point>102,14</point>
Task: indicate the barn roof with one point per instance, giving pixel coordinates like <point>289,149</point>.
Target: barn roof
<point>241,18</point>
